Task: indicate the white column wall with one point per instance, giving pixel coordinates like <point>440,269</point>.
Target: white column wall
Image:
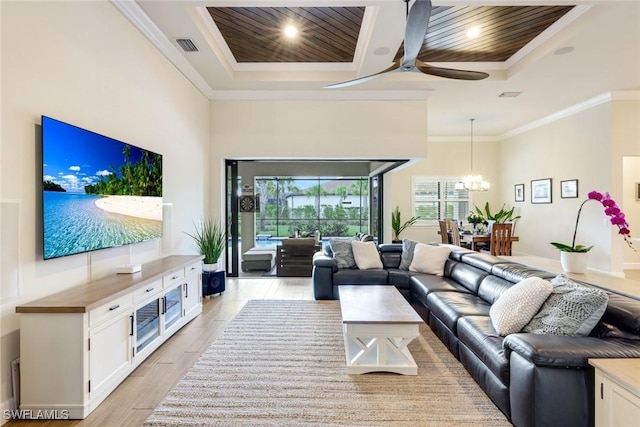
<point>625,172</point>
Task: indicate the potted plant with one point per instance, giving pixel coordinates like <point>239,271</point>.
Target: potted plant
<point>474,219</point>
<point>574,257</point>
<point>211,238</point>
<point>397,226</point>
<point>503,215</point>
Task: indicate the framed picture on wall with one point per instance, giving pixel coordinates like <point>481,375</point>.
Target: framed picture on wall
<point>541,190</point>
<point>519,192</point>
<point>569,189</point>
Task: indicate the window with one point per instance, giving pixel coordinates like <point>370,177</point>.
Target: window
<point>334,206</point>
<point>436,198</point>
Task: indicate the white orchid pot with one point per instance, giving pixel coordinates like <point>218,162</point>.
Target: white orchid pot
<point>574,262</point>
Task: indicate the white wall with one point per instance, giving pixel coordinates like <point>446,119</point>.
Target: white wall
<point>316,129</point>
<point>588,146</point>
<point>444,158</point>
<point>83,63</point>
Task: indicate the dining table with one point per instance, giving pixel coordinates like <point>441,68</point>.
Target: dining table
<point>473,239</point>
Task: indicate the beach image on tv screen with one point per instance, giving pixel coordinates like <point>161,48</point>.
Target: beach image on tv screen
<point>98,192</point>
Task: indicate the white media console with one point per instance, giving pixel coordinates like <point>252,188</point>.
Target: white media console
<point>78,345</point>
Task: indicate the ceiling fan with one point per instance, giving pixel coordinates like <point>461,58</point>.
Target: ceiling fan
<point>414,35</point>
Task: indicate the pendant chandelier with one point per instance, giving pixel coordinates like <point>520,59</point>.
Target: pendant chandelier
<point>472,182</point>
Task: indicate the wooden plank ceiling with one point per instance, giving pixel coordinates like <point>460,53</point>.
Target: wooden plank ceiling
<point>330,34</point>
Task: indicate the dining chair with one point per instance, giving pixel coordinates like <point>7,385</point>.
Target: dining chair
<point>444,231</point>
<point>455,233</point>
<point>500,243</point>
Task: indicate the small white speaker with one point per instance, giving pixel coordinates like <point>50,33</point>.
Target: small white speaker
<point>167,227</point>
<point>128,268</point>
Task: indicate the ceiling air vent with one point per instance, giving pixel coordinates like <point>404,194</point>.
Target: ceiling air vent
<point>187,45</point>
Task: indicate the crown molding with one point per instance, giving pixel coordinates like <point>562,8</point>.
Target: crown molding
<point>619,95</point>
<point>349,95</point>
<point>627,95</point>
<point>134,13</point>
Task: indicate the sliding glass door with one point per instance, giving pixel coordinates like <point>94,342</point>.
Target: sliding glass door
<point>291,206</point>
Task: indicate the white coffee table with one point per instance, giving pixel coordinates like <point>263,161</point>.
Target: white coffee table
<point>378,324</point>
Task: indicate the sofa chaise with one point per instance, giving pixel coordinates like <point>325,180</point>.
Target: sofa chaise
<point>534,379</point>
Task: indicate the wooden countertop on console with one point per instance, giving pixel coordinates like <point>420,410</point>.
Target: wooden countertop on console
<point>619,285</point>
<point>624,371</point>
<point>83,298</point>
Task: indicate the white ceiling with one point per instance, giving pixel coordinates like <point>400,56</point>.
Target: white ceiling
<point>604,35</point>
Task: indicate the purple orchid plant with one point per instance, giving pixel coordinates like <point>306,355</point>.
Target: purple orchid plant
<point>612,210</point>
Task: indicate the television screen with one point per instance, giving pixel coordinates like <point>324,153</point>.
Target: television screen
<point>98,192</point>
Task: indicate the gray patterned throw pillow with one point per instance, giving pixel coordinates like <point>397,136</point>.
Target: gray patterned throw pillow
<point>571,309</point>
<point>408,247</point>
<point>342,251</point>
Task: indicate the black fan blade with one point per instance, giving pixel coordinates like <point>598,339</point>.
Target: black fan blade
<point>414,36</point>
<point>451,73</point>
<point>415,32</point>
<point>394,67</point>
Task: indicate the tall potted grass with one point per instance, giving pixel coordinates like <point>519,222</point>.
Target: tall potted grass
<point>211,238</point>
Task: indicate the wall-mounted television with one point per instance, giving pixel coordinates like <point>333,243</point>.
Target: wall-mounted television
<point>97,192</point>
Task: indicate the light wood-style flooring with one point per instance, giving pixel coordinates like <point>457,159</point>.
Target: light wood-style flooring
<point>132,402</point>
<point>632,275</point>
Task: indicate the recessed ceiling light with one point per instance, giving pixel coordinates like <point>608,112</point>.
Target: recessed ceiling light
<point>473,32</point>
<point>290,31</point>
<point>509,94</point>
<point>380,51</point>
<point>564,50</point>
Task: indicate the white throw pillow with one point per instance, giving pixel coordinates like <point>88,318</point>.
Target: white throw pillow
<point>429,259</point>
<point>517,305</point>
<point>366,255</point>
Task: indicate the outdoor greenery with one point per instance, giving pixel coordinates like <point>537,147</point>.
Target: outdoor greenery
<point>335,207</point>
<point>143,178</point>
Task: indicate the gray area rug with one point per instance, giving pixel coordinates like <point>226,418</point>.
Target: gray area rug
<point>282,363</point>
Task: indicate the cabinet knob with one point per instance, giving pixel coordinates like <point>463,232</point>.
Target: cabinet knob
<point>114,307</point>
<point>150,289</point>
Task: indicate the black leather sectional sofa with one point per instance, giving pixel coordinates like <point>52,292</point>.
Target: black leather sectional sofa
<point>535,380</point>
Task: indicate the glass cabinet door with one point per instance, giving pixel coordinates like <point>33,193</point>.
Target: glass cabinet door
<point>147,324</point>
<point>172,306</point>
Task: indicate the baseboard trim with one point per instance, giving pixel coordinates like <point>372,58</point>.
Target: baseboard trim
<point>7,406</point>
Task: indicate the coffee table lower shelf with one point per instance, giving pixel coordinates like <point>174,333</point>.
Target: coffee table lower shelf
<point>379,348</point>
